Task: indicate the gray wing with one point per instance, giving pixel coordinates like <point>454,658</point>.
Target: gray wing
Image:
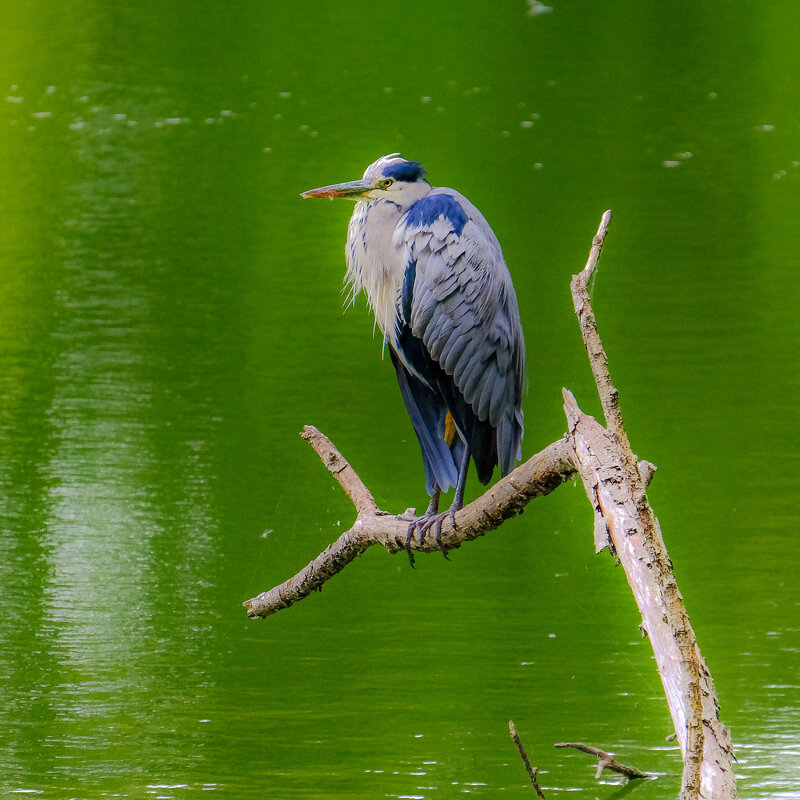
<point>464,309</point>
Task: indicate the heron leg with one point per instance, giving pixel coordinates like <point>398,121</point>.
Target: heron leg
<point>432,518</point>
<point>458,500</point>
<point>457,504</point>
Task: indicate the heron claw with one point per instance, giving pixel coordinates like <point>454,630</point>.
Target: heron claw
<point>423,525</point>
<point>438,534</point>
<point>409,534</point>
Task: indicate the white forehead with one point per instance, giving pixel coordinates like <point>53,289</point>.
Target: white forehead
<point>377,168</point>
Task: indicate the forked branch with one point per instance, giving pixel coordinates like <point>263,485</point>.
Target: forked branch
<point>538,476</point>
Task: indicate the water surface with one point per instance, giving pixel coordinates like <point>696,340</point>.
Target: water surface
<point>170,317</point>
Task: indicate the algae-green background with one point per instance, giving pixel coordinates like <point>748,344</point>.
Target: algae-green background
<point>170,317</point>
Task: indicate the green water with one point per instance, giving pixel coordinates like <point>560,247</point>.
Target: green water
<point>170,317</point>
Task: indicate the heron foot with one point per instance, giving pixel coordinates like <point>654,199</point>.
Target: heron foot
<point>423,524</point>
<point>411,515</point>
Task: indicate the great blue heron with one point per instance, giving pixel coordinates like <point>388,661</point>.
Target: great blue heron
<point>434,275</point>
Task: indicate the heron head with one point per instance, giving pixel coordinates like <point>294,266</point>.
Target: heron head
<point>390,177</point>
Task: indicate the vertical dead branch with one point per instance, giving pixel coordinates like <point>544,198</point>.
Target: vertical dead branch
<point>616,487</point>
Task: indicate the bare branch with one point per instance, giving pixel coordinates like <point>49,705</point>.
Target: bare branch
<point>597,246</point>
<point>609,398</point>
<point>538,476</point>
<point>332,560</point>
<point>348,479</point>
<point>605,761</point>
<point>616,486</point>
<point>533,773</point>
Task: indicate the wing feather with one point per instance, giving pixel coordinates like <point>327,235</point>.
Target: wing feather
<point>464,311</point>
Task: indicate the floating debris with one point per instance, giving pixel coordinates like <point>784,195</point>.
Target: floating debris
<point>537,7</point>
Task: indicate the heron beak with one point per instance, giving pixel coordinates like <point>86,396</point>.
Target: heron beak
<point>352,190</point>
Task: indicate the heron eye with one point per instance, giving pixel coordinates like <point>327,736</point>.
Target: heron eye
<point>385,184</point>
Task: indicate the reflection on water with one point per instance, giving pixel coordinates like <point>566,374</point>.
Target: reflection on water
<point>97,402</point>
<point>170,317</point>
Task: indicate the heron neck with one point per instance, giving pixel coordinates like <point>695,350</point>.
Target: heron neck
<point>374,264</point>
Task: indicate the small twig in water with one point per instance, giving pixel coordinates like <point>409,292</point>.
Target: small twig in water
<point>533,773</point>
<point>605,760</point>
